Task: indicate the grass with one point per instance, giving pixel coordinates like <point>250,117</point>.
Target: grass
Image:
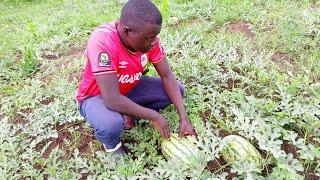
<point>263,86</point>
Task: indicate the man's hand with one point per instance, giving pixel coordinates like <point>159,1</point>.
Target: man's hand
<point>185,128</point>
<point>160,123</point>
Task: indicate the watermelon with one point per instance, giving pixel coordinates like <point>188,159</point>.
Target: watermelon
<point>238,149</point>
<point>179,148</point>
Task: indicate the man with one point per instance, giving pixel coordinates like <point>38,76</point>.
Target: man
<point>113,90</point>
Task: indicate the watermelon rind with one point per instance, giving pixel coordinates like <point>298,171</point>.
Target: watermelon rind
<point>237,149</point>
<point>179,148</point>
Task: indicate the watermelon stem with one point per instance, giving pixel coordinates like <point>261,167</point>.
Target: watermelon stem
<point>221,167</point>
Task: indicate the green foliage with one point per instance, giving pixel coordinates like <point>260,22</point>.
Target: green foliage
<point>29,64</point>
<point>263,87</point>
<point>164,8</point>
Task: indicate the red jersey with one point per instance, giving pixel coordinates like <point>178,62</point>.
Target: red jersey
<point>106,54</point>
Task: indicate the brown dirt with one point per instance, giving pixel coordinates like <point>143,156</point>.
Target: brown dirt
<point>72,53</point>
<point>78,52</point>
<point>193,22</point>
<point>238,70</point>
<point>242,28</point>
<point>85,139</point>
<point>40,145</point>
<point>177,22</point>
<point>62,64</point>
<point>239,53</point>
<point>310,173</point>
<point>217,165</point>
<point>267,170</point>
<point>46,79</point>
<point>64,135</point>
<point>222,112</point>
<point>84,176</point>
<point>18,132</point>
<point>18,57</point>
<point>311,139</point>
<point>38,166</point>
<point>268,26</point>
<point>281,56</point>
<point>174,22</point>
<point>47,101</point>
<point>204,115</point>
<point>231,176</point>
<point>311,176</point>
<point>284,62</point>
<point>75,76</point>
<point>233,83</point>
<point>19,119</point>
<point>26,111</point>
<point>224,69</point>
<point>216,29</point>
<point>75,52</point>
<point>289,148</point>
<point>223,133</point>
<point>191,79</point>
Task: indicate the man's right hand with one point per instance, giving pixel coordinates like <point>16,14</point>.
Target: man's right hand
<point>160,123</point>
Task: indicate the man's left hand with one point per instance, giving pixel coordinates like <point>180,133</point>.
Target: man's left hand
<point>185,128</point>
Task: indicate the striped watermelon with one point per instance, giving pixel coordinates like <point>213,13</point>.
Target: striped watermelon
<point>179,148</point>
<point>237,148</point>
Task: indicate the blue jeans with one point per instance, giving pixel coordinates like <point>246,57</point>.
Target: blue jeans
<point>108,124</point>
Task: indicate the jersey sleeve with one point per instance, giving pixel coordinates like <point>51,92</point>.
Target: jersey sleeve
<point>157,53</point>
<point>101,54</point>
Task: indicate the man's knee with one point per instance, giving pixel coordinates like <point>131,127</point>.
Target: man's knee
<point>110,129</point>
<point>109,133</point>
<point>110,122</point>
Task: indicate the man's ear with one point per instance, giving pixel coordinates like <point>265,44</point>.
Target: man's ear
<point>126,30</point>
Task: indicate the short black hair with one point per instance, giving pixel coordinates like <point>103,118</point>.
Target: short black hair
<point>140,12</point>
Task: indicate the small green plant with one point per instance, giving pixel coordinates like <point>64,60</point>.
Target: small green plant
<point>29,63</point>
<point>164,8</point>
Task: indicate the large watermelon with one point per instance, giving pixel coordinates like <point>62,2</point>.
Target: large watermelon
<point>179,148</point>
<point>237,148</point>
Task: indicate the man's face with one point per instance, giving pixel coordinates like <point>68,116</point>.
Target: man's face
<point>143,38</point>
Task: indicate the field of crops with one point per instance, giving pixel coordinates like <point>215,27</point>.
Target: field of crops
<point>250,68</point>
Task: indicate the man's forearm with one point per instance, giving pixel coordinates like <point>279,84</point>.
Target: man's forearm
<point>124,105</point>
<point>172,88</point>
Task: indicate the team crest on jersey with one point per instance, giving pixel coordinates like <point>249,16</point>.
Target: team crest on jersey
<point>144,60</point>
<point>104,60</point>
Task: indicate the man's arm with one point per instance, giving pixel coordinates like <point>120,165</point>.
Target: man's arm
<point>109,88</point>
<point>172,88</point>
